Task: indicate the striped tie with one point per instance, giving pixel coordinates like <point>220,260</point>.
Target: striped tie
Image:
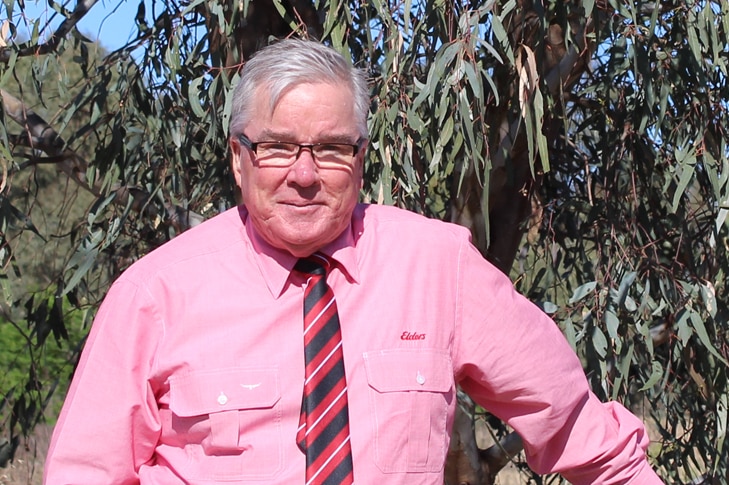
<point>323,432</point>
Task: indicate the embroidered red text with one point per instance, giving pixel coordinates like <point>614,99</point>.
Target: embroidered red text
<point>412,336</point>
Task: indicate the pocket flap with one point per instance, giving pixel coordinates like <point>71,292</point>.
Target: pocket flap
<point>395,370</point>
<point>204,392</point>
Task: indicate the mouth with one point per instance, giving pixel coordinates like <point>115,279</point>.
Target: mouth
<point>301,205</point>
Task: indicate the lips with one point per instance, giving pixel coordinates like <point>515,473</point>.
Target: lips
<point>301,204</point>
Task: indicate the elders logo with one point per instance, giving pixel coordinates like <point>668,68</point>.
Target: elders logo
<point>412,336</point>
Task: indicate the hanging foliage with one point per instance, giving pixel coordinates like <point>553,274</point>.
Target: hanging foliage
<point>584,143</point>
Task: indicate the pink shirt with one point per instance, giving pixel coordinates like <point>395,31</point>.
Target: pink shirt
<point>194,368</point>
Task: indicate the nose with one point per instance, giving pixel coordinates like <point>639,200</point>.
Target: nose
<point>304,171</point>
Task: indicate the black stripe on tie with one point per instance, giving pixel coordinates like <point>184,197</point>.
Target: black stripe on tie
<point>326,332</point>
<point>317,446</point>
<point>340,472</point>
<point>318,291</point>
<point>325,385</point>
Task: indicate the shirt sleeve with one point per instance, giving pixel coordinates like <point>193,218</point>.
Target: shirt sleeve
<point>109,424</point>
<point>513,360</point>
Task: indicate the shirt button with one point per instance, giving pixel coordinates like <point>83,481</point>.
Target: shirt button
<point>222,399</point>
<point>420,378</point>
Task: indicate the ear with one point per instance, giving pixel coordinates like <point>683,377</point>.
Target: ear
<point>236,160</point>
<point>360,162</point>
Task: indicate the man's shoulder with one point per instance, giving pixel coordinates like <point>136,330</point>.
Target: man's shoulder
<point>403,224</point>
<point>207,238</point>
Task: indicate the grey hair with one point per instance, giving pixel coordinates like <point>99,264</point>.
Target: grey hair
<point>288,63</point>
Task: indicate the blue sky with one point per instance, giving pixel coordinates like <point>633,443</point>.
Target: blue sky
<point>110,21</point>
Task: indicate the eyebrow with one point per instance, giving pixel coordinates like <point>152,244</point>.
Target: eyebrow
<point>267,135</point>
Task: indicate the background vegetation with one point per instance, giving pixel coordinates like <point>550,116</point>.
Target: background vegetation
<point>584,143</point>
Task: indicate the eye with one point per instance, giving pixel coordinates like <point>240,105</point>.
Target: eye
<point>333,150</point>
<point>277,149</point>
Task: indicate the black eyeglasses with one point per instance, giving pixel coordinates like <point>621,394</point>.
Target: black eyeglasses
<point>284,154</point>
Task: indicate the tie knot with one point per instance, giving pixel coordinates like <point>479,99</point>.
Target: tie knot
<point>316,264</point>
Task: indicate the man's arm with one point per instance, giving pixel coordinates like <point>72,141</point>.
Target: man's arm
<point>109,424</point>
<point>513,360</point>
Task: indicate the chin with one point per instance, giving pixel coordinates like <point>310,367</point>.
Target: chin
<point>301,248</point>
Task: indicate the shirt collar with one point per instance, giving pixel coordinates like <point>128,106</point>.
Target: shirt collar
<point>276,264</point>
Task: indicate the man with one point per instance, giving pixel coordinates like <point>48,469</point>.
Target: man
<point>199,367</point>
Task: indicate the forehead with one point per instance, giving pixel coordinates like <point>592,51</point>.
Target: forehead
<point>307,109</point>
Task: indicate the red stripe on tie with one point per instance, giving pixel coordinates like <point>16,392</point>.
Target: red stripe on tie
<point>323,362</point>
<point>326,307</point>
<point>332,456</point>
<point>322,415</point>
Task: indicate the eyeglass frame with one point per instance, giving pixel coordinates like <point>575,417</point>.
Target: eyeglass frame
<point>253,146</point>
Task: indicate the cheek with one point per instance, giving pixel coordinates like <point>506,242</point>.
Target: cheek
<point>242,173</point>
<point>258,188</point>
<point>341,186</point>
<point>348,194</point>
<point>358,175</point>
<point>246,180</point>
<point>356,182</point>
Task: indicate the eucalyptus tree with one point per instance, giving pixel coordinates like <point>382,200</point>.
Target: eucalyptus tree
<point>584,143</point>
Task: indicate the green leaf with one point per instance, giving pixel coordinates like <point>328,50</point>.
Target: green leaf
<point>630,304</point>
<point>588,5</point>
<point>82,261</point>
<point>491,50</point>
<point>708,294</point>
<point>612,323</point>
<point>541,139</point>
<point>9,69</point>
<point>722,403</point>
<point>582,291</point>
<point>474,80</point>
<point>570,334</point>
<point>686,175</point>
<point>502,37</point>
<point>698,324</point>
<point>655,377</point>
<point>693,41</point>
<point>599,342</point>
<point>684,329</point>
<point>625,284</point>
<point>446,131</point>
<point>624,362</point>
<point>191,6</point>
<point>194,100</point>
<point>549,308</point>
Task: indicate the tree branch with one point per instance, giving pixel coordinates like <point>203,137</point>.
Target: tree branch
<point>82,8</point>
<point>41,136</point>
<point>499,455</point>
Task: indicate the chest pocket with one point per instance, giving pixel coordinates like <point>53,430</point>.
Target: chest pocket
<point>228,422</point>
<point>410,394</point>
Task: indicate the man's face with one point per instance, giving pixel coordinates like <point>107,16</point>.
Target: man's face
<point>303,207</point>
